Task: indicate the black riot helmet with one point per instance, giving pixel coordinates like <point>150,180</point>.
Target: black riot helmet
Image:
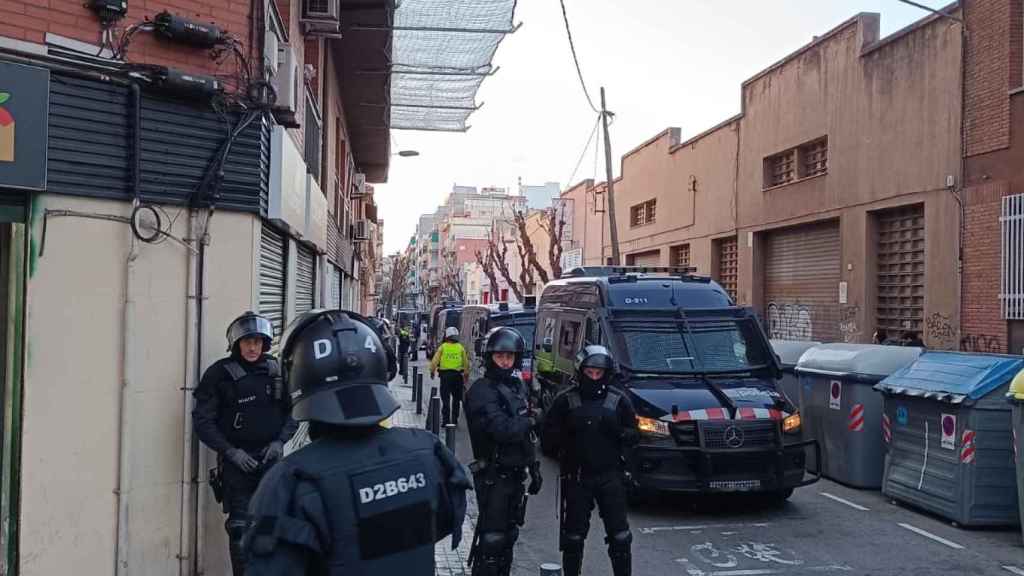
<point>247,325</point>
<point>336,370</point>
<point>594,356</point>
<point>504,339</point>
<point>384,332</point>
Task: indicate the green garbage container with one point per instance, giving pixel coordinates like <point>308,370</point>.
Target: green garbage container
<point>1016,397</point>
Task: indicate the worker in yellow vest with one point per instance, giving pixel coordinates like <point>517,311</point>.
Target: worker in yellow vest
<point>452,362</point>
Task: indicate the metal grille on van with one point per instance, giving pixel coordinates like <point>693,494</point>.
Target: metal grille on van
<point>728,434</point>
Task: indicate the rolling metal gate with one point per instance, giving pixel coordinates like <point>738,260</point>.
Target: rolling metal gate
<point>305,279</point>
<point>273,274</point>
<point>652,258</point>
<point>901,269</point>
<point>802,273</point>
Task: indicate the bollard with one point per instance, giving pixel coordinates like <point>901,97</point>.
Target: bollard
<point>415,374</point>
<point>549,569</point>
<point>434,417</point>
<point>449,436</point>
<point>417,393</point>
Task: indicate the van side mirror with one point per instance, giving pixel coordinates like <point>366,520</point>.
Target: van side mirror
<point>548,344</point>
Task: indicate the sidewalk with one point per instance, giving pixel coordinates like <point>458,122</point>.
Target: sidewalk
<point>447,562</point>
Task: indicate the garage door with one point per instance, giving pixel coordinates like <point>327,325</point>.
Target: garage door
<point>652,258</point>
<point>305,279</point>
<point>273,260</point>
<point>802,269</point>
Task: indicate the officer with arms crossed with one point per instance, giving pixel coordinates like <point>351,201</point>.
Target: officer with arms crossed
<point>242,414</point>
<point>360,498</point>
<point>592,425</point>
<point>501,430</point>
<point>453,362</point>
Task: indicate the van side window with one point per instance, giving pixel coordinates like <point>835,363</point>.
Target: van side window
<point>549,330</point>
<point>567,342</point>
<point>593,331</point>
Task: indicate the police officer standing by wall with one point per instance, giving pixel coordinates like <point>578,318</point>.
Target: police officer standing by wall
<point>592,425</point>
<point>501,430</point>
<point>453,362</point>
<point>360,498</point>
<point>241,413</point>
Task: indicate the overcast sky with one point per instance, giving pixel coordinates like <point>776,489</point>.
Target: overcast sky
<point>663,63</point>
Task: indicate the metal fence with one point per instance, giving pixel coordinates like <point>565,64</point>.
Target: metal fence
<point>1011,294</point>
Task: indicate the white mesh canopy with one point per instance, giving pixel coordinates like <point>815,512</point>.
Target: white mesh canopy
<point>441,52</point>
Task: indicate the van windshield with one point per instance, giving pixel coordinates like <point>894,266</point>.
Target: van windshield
<point>709,346</point>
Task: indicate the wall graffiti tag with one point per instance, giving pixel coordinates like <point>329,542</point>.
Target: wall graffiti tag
<point>941,331</point>
<point>789,322</point>
<point>848,327</point>
<point>982,343</point>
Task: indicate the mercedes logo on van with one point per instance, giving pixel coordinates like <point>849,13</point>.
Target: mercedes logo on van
<point>733,437</point>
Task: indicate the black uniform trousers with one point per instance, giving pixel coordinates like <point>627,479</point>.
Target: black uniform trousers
<point>452,390</point>
<point>239,487</point>
<point>608,491</point>
<point>501,499</point>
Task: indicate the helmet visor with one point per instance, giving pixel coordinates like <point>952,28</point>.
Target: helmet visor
<point>250,326</point>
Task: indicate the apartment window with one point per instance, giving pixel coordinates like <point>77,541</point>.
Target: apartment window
<point>313,140</point>
<point>804,161</point>
<point>680,256</point>
<point>643,214</point>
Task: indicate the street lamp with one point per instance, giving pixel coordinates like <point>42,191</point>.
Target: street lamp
<point>407,153</point>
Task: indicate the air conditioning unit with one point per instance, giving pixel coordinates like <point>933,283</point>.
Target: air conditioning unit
<point>359,184</point>
<point>287,83</point>
<point>321,18</point>
<point>362,230</point>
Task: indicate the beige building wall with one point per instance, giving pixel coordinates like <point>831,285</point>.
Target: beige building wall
<point>75,323</point>
<point>590,222</point>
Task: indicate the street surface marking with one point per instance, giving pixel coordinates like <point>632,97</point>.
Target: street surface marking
<point>928,534</point>
<point>653,529</point>
<point>844,501</point>
<point>1014,570</point>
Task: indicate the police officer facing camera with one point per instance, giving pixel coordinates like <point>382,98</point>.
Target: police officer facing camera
<point>360,498</point>
<point>242,414</point>
<point>501,430</point>
<point>591,426</point>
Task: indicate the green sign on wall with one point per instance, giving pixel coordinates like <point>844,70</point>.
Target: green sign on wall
<point>24,106</point>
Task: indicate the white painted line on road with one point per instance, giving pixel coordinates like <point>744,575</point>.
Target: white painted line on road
<point>845,501</point>
<point>928,534</point>
<point>1014,570</point>
<point>754,572</point>
<point>653,529</point>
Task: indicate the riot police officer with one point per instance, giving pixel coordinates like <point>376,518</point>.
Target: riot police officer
<point>453,362</point>
<point>242,414</point>
<point>387,339</point>
<point>501,431</point>
<point>360,498</point>
<point>592,425</point>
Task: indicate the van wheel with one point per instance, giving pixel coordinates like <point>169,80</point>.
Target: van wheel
<point>778,497</point>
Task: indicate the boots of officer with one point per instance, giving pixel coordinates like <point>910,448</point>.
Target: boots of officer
<point>620,553</point>
<point>572,555</point>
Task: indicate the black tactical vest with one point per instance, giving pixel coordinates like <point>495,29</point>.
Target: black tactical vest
<point>594,433</point>
<point>252,411</point>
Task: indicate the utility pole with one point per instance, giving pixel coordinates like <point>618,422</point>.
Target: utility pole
<point>612,228</point>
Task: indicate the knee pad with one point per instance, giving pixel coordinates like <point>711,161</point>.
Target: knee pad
<point>572,542</point>
<point>493,543</point>
<point>236,528</point>
<point>620,541</point>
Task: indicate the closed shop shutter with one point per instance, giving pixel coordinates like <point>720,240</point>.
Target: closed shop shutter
<point>901,269</point>
<point>305,279</point>
<point>273,273</point>
<point>336,287</point>
<point>727,265</point>
<point>802,269</point>
<point>652,258</point>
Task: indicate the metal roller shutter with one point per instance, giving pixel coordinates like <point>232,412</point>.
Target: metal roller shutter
<point>273,273</point>
<point>802,273</point>
<point>652,258</point>
<point>305,279</point>
<point>901,269</point>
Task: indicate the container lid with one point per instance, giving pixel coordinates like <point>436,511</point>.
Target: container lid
<point>790,351</point>
<point>1017,388</point>
<point>953,376</point>
<point>865,360</point>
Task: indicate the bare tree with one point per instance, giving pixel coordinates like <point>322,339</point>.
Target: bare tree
<point>554,225</point>
<point>499,258</point>
<point>396,281</point>
<point>526,278</point>
<point>486,262</point>
<point>452,279</point>
<point>528,249</point>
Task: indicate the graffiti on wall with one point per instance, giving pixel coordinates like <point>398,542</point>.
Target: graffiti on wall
<point>848,327</point>
<point>940,331</point>
<point>982,343</point>
<point>789,322</point>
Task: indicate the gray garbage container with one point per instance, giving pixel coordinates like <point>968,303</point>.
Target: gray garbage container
<point>952,452</point>
<point>1016,398</point>
<point>789,352</point>
<point>841,409</point>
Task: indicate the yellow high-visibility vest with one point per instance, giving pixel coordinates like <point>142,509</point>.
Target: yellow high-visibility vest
<point>451,356</point>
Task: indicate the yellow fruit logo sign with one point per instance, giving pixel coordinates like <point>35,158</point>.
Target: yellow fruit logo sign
<point>6,130</point>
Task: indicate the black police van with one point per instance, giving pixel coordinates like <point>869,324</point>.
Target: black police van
<point>699,370</point>
<point>479,319</point>
<point>443,316</point>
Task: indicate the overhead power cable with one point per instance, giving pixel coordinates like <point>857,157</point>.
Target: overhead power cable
<point>575,59</point>
<point>584,152</point>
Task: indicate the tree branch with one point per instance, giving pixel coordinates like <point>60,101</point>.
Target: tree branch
<point>531,253</point>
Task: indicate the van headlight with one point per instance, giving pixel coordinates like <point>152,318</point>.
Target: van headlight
<point>652,426</point>
<point>791,425</point>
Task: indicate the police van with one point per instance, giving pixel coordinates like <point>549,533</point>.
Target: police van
<point>443,316</point>
<point>478,320</point>
<point>698,369</point>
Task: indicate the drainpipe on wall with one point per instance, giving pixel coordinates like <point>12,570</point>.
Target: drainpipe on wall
<point>187,557</point>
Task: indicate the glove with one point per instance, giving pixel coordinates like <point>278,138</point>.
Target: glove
<point>242,460</point>
<point>536,480</point>
<point>273,452</point>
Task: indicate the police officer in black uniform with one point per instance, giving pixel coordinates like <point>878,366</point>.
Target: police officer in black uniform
<point>360,498</point>
<point>242,414</point>
<point>592,425</point>
<point>387,339</point>
<point>501,430</point>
